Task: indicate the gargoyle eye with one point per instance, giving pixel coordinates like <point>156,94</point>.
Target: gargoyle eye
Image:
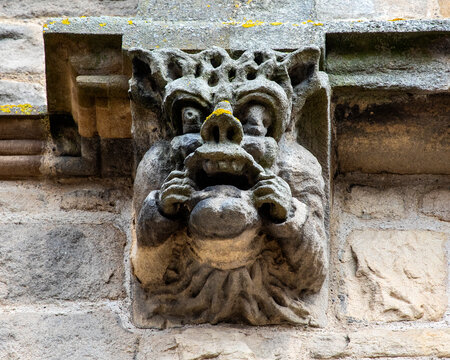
<point>191,118</point>
<point>256,119</point>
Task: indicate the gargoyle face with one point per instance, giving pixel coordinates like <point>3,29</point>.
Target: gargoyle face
<point>228,150</point>
<point>222,221</point>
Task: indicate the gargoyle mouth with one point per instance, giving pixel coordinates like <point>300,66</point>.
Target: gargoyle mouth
<point>212,165</point>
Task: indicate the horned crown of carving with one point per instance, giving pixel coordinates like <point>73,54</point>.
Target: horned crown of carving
<point>163,79</point>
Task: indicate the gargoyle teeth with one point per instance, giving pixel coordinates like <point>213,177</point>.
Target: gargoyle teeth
<point>224,166</point>
<point>237,166</point>
<point>209,166</point>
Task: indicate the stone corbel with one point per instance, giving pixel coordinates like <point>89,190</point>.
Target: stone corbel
<point>230,208</point>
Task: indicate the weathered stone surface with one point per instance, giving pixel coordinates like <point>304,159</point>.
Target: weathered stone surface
<point>37,197</point>
<point>377,9</point>
<point>61,261</point>
<point>116,157</point>
<point>21,147</point>
<point>393,275</point>
<point>406,135</point>
<point>437,203</point>
<point>397,343</point>
<point>17,196</point>
<point>444,8</point>
<point>15,92</point>
<point>369,202</point>
<point>21,51</point>
<point>222,344</point>
<point>222,10</point>
<point>21,128</point>
<point>406,9</point>
<point>414,62</point>
<point>382,343</point>
<point>22,166</point>
<point>241,206</point>
<point>55,336</point>
<point>42,8</point>
<point>348,9</point>
<point>90,200</point>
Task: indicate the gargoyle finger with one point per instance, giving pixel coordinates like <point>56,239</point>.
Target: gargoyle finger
<point>177,189</point>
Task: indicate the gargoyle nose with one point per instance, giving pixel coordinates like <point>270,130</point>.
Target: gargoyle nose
<point>221,126</point>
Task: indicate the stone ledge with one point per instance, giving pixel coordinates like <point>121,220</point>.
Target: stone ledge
<point>376,343</point>
<point>226,343</point>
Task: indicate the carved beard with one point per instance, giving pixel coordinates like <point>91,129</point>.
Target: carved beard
<point>261,293</point>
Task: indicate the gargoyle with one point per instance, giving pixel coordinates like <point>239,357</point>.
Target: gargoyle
<point>229,208</point>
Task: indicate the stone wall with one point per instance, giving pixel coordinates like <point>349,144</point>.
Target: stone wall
<point>64,243</point>
<point>65,275</point>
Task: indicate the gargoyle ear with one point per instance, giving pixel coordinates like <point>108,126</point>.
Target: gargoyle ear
<point>302,65</point>
<point>154,70</point>
<point>146,87</point>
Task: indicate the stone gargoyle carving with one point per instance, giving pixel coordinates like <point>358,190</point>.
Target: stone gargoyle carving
<point>229,208</point>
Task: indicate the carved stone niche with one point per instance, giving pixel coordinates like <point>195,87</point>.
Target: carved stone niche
<point>229,207</point>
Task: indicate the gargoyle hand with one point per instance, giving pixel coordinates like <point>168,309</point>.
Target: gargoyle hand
<point>274,191</point>
<point>175,192</point>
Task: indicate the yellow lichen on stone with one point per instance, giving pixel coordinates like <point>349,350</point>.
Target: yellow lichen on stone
<point>276,23</point>
<point>65,22</point>
<point>231,22</point>
<point>250,23</point>
<point>25,109</point>
<point>208,5</point>
<point>102,24</point>
<point>5,108</point>
<point>219,112</point>
<point>130,22</point>
<point>397,19</point>
<point>45,26</point>
<point>309,21</point>
<point>295,25</point>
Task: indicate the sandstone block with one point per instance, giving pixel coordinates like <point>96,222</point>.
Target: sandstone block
<point>20,166</point>
<point>21,50</point>
<point>222,344</point>
<point>347,9</point>
<point>61,261</point>
<point>391,343</point>
<point>394,275</point>
<point>18,197</point>
<point>381,343</point>
<point>408,9</point>
<point>437,203</point>
<point>15,92</point>
<point>369,202</point>
<point>42,8</point>
<point>113,117</point>
<point>399,137</point>
<point>90,199</point>
<point>444,8</point>
<point>96,335</point>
